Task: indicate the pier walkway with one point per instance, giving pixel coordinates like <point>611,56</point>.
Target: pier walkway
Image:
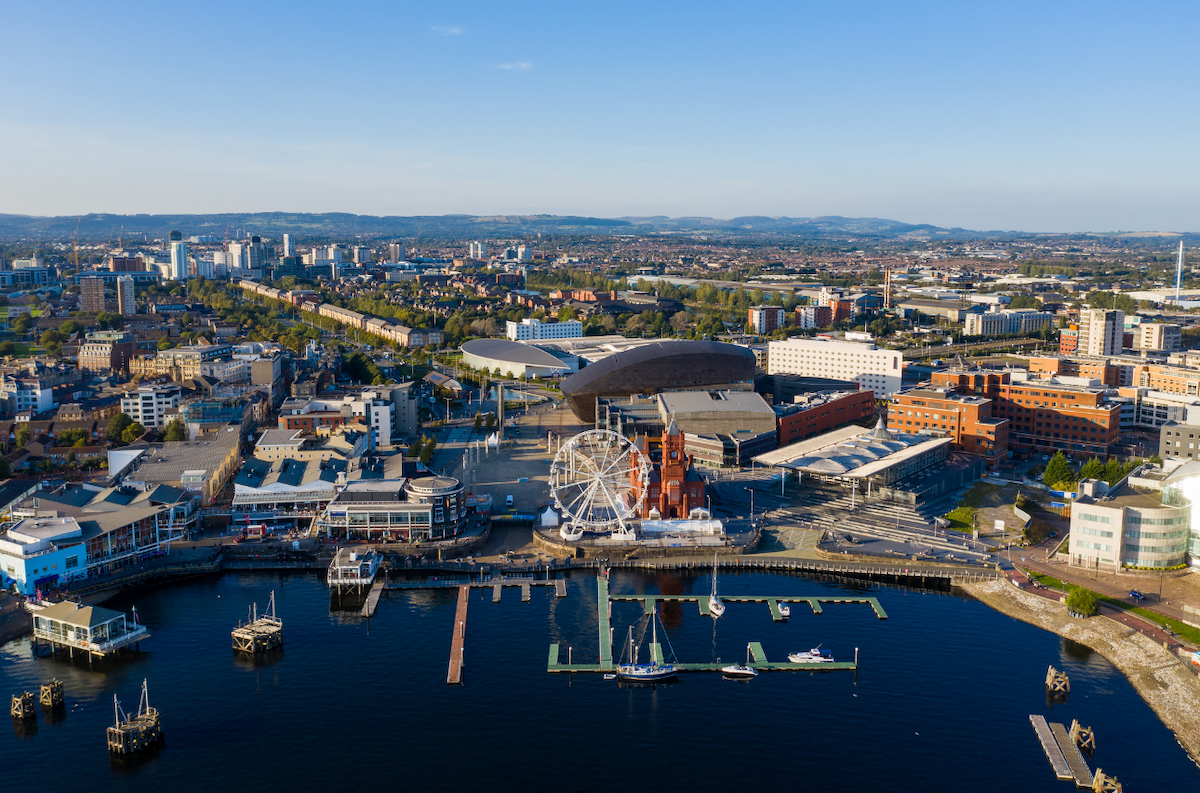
<point>1079,768</point>
<point>368,609</point>
<point>454,673</point>
<point>772,602</point>
<point>1050,747</point>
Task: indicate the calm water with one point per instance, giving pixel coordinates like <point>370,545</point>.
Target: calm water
<point>941,702</point>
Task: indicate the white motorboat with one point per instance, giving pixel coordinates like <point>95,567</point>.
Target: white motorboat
<point>814,656</point>
<point>740,670</point>
<point>645,673</point>
<point>715,607</point>
<point>785,610</point>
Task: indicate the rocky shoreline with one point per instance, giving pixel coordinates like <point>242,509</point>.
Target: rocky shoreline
<point>1161,679</point>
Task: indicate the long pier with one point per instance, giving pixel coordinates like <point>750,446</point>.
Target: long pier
<point>772,602</point>
<point>454,673</point>
<point>1050,747</point>
<point>368,609</point>
<point>1079,768</point>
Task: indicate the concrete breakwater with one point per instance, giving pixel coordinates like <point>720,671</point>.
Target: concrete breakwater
<point>1160,677</point>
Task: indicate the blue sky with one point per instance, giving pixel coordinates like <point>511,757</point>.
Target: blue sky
<point>1060,116</point>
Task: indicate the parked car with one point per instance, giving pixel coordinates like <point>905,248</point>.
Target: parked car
<point>1133,593</point>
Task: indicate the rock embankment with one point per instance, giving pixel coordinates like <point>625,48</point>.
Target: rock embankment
<point>1168,687</point>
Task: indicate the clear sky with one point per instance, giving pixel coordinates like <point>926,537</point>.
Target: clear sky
<point>1040,116</point>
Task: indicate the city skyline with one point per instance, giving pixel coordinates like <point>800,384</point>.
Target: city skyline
<point>1031,118</point>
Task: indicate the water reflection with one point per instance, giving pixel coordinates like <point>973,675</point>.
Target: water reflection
<point>1075,651</point>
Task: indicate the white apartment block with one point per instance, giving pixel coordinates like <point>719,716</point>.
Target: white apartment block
<point>1157,336</point>
<point>869,366</point>
<point>478,250</point>
<point>148,405</point>
<point>1101,331</point>
<point>534,330</point>
<point>765,319</point>
<point>1009,321</point>
<point>807,317</point>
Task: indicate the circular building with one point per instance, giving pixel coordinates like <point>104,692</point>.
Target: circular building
<point>447,497</point>
<point>512,358</point>
<point>663,366</point>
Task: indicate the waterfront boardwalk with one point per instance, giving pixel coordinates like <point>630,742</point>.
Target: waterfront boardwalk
<point>604,610</point>
<point>368,609</point>
<point>1079,768</point>
<point>772,602</point>
<point>1050,747</point>
<point>454,674</point>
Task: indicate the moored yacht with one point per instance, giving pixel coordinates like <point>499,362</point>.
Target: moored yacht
<point>814,656</point>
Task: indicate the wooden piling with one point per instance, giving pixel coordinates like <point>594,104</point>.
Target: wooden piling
<point>136,733</point>
<point>1057,683</point>
<point>22,706</point>
<point>259,634</point>
<point>1102,783</point>
<point>51,694</point>
<point>1083,737</point>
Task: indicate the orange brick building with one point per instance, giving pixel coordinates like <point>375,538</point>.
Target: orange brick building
<point>964,417</point>
<point>1044,417</point>
<point>1091,368</point>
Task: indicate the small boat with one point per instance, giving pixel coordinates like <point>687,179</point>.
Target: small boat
<point>740,670</point>
<point>785,610</point>
<point>715,607</point>
<point>610,677</point>
<point>645,673</point>
<point>814,656</point>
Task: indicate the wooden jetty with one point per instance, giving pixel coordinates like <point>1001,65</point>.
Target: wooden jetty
<point>454,673</point>
<point>259,634</point>
<point>51,694</point>
<point>22,706</point>
<point>1079,768</point>
<point>368,609</point>
<point>1050,746</point>
<point>650,603</point>
<point>136,733</point>
<point>1057,683</point>
<point>772,602</point>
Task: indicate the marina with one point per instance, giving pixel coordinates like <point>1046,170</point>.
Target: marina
<point>906,666</point>
<point>650,604</point>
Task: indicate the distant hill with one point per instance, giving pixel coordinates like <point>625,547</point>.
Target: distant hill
<point>434,227</point>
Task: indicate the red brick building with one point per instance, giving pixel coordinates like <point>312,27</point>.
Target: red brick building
<point>813,414</point>
<point>674,488</point>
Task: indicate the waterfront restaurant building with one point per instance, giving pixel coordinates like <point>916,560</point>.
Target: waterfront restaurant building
<point>41,553</point>
<point>397,509</point>
<point>92,629</point>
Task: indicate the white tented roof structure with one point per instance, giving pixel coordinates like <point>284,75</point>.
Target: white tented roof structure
<point>851,452</point>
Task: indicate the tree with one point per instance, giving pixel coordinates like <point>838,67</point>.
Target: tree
<point>7,348</point>
<point>5,468</point>
<point>71,458</point>
<point>71,437</point>
<point>427,447</point>
<point>1059,471</point>
<point>165,343</point>
<point>478,423</point>
<point>132,432</point>
<point>1082,601</point>
<point>23,435</point>
<point>491,421</point>
<point>117,425</point>
<point>176,431</point>
<point>1092,469</point>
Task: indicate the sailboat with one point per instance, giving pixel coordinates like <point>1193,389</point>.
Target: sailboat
<point>740,670</point>
<point>715,607</point>
<point>645,673</point>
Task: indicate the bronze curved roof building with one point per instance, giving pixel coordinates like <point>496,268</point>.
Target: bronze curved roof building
<point>662,366</point>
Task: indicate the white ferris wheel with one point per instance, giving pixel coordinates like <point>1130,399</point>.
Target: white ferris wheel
<point>598,481</point>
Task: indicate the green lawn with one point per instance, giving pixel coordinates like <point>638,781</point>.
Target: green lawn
<point>961,518</point>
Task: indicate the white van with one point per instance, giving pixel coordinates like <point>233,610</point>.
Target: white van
<point>508,501</point>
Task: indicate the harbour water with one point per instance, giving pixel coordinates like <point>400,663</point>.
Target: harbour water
<point>940,703</point>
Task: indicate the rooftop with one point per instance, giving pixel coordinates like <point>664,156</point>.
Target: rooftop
<point>683,402</point>
<point>75,614</point>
